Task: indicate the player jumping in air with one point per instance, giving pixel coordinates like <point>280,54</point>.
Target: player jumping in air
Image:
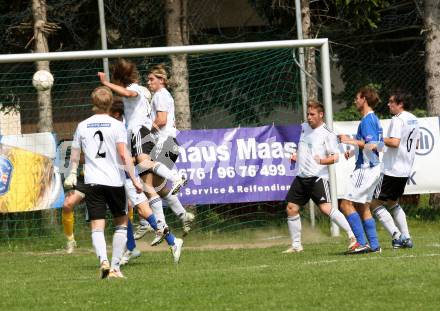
<point>137,110</point>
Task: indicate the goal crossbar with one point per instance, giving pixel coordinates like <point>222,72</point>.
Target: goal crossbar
<point>152,51</point>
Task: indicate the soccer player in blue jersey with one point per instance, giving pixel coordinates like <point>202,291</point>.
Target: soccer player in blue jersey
<point>363,180</point>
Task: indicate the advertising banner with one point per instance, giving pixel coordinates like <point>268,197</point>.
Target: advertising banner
<point>29,175</point>
<point>424,177</point>
<point>253,164</point>
<point>237,165</point>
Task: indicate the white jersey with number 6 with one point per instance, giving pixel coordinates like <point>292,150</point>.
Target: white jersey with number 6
<point>97,136</point>
<point>398,161</point>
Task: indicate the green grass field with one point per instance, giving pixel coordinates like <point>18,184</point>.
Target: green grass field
<point>223,277</point>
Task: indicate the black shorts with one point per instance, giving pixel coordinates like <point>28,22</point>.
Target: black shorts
<point>166,153</point>
<point>142,142</point>
<point>304,189</point>
<point>98,197</point>
<point>390,188</point>
<point>80,185</point>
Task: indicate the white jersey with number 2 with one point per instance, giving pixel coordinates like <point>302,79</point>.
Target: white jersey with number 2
<point>97,136</point>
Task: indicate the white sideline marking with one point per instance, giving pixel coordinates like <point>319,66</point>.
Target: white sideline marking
<point>434,245</point>
<point>376,257</point>
<point>277,237</point>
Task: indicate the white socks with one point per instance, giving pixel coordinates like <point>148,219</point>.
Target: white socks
<point>294,224</point>
<point>119,243</point>
<point>385,218</point>
<point>161,170</point>
<point>99,244</point>
<point>156,206</point>
<point>338,218</point>
<point>175,205</point>
<point>400,219</point>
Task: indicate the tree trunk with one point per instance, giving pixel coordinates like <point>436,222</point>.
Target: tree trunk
<point>45,123</point>
<point>177,34</point>
<point>310,61</point>
<point>432,68</point>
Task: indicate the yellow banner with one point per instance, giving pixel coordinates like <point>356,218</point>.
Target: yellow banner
<point>26,180</point>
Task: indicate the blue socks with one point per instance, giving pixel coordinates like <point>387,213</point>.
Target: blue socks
<point>356,225</point>
<point>370,230</point>
<point>170,239</point>
<point>131,244</point>
<point>152,221</point>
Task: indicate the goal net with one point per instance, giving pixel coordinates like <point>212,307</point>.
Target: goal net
<point>250,92</point>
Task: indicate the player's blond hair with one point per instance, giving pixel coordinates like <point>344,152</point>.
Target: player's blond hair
<point>314,104</point>
<point>102,99</point>
<point>160,72</point>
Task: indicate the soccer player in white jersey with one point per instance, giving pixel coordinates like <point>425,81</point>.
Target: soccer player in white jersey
<point>401,144</point>
<point>165,149</point>
<point>137,109</point>
<point>140,201</point>
<point>360,187</point>
<point>76,194</point>
<point>317,149</point>
<point>103,141</point>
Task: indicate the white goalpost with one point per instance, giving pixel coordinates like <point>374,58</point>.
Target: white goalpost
<point>321,44</point>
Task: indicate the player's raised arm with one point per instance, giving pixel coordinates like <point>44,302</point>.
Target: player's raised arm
<point>124,74</point>
<point>120,90</point>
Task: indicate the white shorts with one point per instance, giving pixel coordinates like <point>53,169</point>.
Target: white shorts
<point>362,184</point>
<point>134,197</point>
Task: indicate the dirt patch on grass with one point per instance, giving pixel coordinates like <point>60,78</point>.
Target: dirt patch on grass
<point>258,239</point>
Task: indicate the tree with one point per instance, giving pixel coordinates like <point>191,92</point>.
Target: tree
<point>326,18</point>
<point>432,67</point>
<point>177,34</point>
<point>310,59</point>
<point>45,123</point>
<point>432,48</point>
